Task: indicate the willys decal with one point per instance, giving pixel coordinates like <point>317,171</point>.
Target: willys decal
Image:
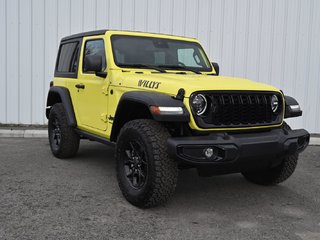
<point>149,84</point>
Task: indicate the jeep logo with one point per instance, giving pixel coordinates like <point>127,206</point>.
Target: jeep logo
<point>148,84</point>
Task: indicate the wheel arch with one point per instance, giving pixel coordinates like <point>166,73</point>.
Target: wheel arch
<point>61,95</point>
<point>136,105</point>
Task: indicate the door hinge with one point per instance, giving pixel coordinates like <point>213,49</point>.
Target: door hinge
<point>105,90</point>
<point>104,117</point>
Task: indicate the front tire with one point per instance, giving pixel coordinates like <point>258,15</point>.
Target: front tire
<point>276,174</point>
<point>64,141</point>
<point>146,175</point>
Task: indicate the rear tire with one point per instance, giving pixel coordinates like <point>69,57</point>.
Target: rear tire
<point>146,175</point>
<point>276,174</point>
<point>64,141</point>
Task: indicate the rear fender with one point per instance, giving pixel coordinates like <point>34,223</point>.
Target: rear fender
<point>61,95</point>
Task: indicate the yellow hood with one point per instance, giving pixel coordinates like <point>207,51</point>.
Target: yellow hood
<point>170,83</point>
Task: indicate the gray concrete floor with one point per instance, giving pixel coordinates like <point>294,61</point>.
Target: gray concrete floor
<point>46,198</point>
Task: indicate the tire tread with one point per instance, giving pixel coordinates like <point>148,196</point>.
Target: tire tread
<point>275,175</point>
<point>70,140</point>
<point>166,170</point>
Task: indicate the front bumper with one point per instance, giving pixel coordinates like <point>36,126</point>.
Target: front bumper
<point>238,152</point>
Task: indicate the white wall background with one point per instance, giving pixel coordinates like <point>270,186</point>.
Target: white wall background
<point>271,41</point>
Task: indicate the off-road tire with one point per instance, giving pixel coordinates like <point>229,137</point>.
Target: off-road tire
<point>69,139</point>
<point>276,174</point>
<point>162,173</point>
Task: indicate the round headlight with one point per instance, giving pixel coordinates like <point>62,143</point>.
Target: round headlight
<point>199,104</point>
<point>274,103</point>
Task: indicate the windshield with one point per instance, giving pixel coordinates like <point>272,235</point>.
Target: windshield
<point>149,52</point>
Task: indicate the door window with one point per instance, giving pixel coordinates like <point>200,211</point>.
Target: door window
<point>95,47</point>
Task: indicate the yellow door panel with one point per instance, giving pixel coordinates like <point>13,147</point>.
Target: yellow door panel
<point>92,103</point>
<point>91,91</point>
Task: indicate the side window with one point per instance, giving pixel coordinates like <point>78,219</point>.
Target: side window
<point>95,47</point>
<point>67,62</point>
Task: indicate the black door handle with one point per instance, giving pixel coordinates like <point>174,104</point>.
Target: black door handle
<point>80,85</point>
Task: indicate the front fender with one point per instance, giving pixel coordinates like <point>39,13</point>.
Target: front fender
<point>157,99</point>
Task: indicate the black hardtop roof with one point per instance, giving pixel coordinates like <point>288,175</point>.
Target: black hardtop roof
<point>101,32</point>
<point>84,34</point>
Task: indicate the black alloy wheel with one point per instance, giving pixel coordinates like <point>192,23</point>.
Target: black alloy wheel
<point>55,134</point>
<point>135,164</point>
<point>147,176</point>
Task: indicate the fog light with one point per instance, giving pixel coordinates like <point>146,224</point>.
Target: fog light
<point>208,152</point>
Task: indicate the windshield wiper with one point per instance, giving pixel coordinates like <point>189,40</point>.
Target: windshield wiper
<point>180,68</point>
<point>140,65</point>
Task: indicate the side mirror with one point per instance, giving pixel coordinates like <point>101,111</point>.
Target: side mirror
<point>292,108</point>
<point>216,67</point>
<point>93,63</point>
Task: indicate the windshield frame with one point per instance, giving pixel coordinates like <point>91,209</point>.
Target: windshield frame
<point>204,55</point>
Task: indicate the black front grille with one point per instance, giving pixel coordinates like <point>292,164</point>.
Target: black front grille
<point>239,109</point>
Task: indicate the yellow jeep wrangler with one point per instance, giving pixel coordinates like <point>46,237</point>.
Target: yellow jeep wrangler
<point>163,105</point>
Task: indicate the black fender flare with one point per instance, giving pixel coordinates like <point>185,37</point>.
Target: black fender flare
<point>146,99</point>
<point>61,94</point>
<point>155,99</point>
<point>289,112</point>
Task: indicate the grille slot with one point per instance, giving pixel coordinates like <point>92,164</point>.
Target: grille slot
<point>239,109</point>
